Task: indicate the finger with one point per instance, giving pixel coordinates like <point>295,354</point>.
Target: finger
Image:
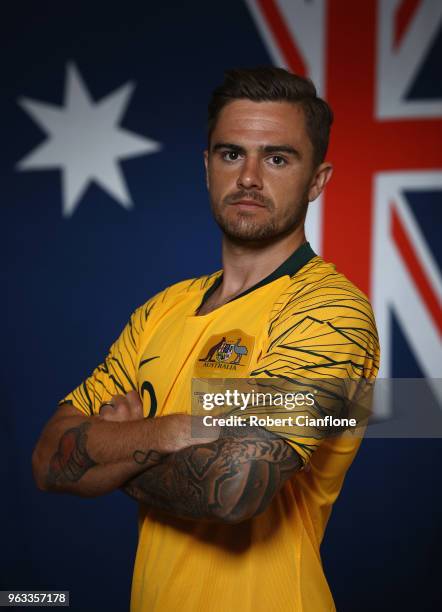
<point>117,409</point>
<point>120,401</point>
<point>108,413</point>
<point>135,405</point>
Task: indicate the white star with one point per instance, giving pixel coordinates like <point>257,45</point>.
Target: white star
<point>85,141</point>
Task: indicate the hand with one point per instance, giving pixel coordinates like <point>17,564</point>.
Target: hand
<point>123,408</point>
<point>183,430</point>
<point>175,431</point>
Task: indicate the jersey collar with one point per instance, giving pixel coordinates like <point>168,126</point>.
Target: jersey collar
<point>289,267</point>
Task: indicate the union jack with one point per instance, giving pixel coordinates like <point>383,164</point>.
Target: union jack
<point>364,58</point>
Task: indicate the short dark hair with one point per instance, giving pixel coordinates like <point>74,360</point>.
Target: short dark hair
<point>272,84</point>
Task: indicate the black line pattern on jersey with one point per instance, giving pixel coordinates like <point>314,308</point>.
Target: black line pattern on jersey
<point>340,303</point>
<point>108,390</point>
<point>88,401</point>
<point>338,330</point>
<point>148,309</point>
<point>207,280</point>
<point>131,351</point>
<point>344,332</point>
<point>144,361</point>
<point>131,333</point>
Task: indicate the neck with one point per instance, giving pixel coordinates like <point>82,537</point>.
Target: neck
<point>244,265</point>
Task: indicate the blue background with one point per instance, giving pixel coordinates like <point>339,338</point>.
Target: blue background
<point>70,286</point>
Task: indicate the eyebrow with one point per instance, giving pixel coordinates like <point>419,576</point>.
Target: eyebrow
<point>264,149</point>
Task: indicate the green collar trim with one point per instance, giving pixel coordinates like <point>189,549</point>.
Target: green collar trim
<point>289,267</point>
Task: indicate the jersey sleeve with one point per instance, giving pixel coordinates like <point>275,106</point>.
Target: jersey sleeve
<point>118,372</point>
<point>321,340</point>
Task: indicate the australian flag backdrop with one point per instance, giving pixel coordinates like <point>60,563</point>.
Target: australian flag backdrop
<point>103,201</point>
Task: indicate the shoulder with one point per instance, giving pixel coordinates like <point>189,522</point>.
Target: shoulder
<point>322,323</point>
<point>322,278</point>
<point>319,307</point>
<point>175,293</point>
<point>186,287</point>
<point>319,292</point>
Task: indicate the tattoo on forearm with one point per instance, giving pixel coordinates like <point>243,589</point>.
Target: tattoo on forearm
<point>230,479</point>
<point>148,458</point>
<point>72,460</point>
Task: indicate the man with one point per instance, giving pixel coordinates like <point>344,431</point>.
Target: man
<point>231,520</point>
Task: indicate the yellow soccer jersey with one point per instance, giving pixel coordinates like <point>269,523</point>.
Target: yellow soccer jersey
<point>305,319</point>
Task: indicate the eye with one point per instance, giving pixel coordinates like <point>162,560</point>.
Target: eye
<point>230,156</point>
<point>277,160</point>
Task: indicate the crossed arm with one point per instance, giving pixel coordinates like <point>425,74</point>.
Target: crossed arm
<point>228,478</point>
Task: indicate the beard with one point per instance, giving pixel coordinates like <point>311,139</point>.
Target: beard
<point>243,227</point>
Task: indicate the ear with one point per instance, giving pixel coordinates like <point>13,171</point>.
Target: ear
<point>206,164</point>
<point>320,179</point>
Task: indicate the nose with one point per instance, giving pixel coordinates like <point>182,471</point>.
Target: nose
<point>250,174</point>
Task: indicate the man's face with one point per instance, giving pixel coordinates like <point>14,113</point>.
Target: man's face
<point>260,172</point>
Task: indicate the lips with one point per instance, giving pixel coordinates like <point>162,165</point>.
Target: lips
<point>248,204</point>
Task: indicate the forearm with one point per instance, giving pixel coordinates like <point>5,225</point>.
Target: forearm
<point>90,456</point>
<point>229,480</point>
